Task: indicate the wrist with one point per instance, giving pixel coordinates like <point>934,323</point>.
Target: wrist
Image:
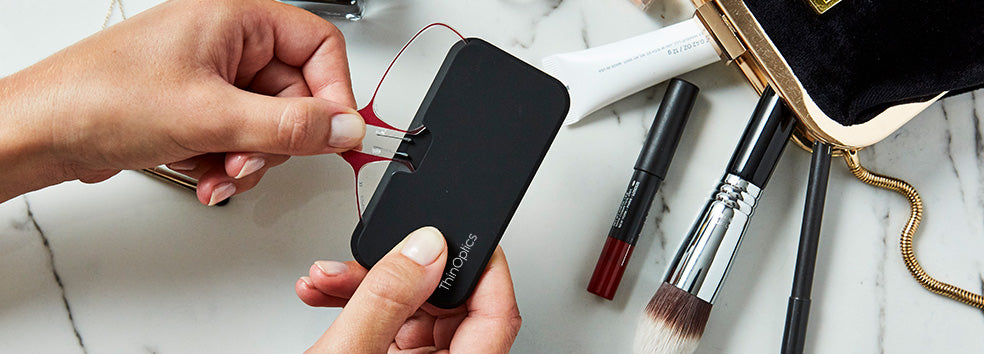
<point>26,157</point>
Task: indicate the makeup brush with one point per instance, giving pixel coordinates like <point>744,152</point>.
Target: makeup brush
<point>675,317</point>
<point>798,311</point>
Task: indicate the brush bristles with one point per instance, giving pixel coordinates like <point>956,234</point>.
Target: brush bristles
<point>673,322</point>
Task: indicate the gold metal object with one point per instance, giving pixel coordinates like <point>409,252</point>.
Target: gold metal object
<point>905,242</point>
<point>802,138</point>
<point>724,35</point>
<point>821,6</point>
<point>173,177</point>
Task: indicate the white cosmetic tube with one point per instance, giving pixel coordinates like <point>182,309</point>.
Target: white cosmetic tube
<point>598,76</point>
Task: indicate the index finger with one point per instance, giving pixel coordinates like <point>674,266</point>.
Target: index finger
<point>304,40</point>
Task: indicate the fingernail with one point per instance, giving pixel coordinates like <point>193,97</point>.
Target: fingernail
<point>424,245</point>
<point>222,192</point>
<point>346,130</point>
<point>186,165</point>
<point>331,268</point>
<point>307,282</point>
<point>252,164</point>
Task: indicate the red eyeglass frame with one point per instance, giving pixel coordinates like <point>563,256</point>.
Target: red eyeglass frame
<point>358,159</point>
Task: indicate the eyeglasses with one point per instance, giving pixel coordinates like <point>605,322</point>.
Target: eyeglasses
<point>393,113</point>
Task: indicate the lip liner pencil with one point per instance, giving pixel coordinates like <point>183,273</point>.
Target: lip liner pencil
<point>798,311</point>
<point>649,171</point>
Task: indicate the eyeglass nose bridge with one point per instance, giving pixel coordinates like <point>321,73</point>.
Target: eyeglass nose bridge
<point>409,153</point>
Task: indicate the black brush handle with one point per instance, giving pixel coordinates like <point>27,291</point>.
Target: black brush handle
<point>764,139</point>
<point>798,312</point>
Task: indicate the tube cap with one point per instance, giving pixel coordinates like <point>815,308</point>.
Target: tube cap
<point>667,128</point>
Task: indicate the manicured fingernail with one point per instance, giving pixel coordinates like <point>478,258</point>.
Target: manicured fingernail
<point>186,165</point>
<point>331,268</point>
<point>346,130</point>
<point>424,245</point>
<point>222,192</point>
<point>307,282</point>
<point>252,164</point>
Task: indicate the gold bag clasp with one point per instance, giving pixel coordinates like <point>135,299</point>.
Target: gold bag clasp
<point>821,6</point>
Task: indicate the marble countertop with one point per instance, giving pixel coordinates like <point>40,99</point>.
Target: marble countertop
<point>134,265</point>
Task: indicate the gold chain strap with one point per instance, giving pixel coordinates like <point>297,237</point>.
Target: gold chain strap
<point>109,13</point>
<point>905,242</point>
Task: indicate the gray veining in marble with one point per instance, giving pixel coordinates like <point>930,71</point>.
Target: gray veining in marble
<point>948,140</point>
<point>32,302</point>
<point>527,39</point>
<point>54,270</point>
<point>880,287</point>
<point>657,212</point>
<point>584,30</point>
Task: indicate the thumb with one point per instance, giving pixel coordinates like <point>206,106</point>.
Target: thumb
<point>392,291</point>
<point>290,125</point>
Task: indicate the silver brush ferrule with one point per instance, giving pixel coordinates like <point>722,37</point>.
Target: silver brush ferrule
<point>703,260</point>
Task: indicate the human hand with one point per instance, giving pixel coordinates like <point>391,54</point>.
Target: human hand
<point>220,90</point>
<point>384,309</point>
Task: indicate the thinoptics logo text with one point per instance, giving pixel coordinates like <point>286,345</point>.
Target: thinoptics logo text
<point>458,262</point>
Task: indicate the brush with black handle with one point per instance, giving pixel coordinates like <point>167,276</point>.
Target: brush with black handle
<point>675,317</point>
